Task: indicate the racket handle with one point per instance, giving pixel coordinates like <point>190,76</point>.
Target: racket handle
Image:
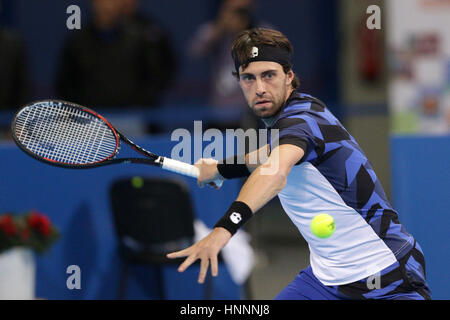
<point>184,169</point>
<point>180,167</point>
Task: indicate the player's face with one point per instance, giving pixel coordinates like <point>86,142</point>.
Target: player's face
<point>265,86</point>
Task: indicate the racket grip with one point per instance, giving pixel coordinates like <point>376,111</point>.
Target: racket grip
<point>180,167</point>
<point>184,169</point>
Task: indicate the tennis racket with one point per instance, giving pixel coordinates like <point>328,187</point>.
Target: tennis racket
<point>68,135</point>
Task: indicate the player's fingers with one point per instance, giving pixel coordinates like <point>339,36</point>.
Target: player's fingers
<point>199,161</point>
<point>203,269</point>
<point>198,164</point>
<point>218,183</point>
<point>214,266</point>
<point>187,262</point>
<point>177,254</point>
<point>213,185</point>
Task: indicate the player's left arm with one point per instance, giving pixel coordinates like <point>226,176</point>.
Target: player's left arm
<point>269,179</point>
<point>263,184</point>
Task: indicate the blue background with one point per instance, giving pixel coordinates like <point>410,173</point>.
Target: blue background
<point>420,180</point>
<point>77,202</point>
<point>310,25</point>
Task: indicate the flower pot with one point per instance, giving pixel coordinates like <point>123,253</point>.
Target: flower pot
<point>17,274</point>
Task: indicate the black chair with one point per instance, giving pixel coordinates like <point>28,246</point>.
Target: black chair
<point>152,217</point>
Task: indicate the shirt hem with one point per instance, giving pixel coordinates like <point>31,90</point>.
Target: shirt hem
<point>354,278</point>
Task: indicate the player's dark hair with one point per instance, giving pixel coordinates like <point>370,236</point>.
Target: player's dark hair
<point>257,37</point>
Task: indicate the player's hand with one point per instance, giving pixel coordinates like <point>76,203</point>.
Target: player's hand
<point>206,250</point>
<point>208,173</point>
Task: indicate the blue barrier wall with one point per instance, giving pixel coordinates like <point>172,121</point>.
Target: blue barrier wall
<point>77,202</point>
<point>420,189</point>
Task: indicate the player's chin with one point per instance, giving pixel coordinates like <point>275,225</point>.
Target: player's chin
<point>263,111</point>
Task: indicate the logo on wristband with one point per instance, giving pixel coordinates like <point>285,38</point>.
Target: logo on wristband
<point>235,217</point>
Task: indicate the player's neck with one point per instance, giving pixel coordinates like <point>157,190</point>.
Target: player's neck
<point>271,120</point>
<point>288,94</point>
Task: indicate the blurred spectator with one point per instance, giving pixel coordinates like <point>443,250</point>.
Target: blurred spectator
<point>14,77</point>
<point>213,39</point>
<point>158,38</point>
<point>115,61</point>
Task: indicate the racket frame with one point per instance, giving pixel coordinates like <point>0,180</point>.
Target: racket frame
<point>151,158</point>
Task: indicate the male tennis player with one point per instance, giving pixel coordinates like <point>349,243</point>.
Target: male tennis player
<point>319,169</point>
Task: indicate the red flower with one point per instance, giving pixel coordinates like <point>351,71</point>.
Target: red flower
<point>25,234</point>
<point>7,225</point>
<point>40,222</point>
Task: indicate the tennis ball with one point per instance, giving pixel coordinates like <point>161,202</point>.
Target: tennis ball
<point>137,182</point>
<point>323,225</point>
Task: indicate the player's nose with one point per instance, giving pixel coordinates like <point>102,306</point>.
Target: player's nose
<point>260,88</point>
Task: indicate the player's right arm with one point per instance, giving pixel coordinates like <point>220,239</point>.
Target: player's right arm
<point>208,168</point>
<point>264,183</point>
<point>256,158</point>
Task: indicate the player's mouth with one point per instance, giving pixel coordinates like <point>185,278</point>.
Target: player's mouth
<point>262,103</point>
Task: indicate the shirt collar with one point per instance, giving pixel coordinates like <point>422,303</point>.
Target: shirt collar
<point>269,122</point>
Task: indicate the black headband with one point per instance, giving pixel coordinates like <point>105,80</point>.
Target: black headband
<point>266,53</point>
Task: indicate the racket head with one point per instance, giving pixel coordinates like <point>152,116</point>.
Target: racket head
<point>64,134</point>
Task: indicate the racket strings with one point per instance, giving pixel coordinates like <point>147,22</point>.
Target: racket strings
<point>65,134</point>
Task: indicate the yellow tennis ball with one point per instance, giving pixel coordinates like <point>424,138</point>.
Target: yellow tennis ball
<point>323,225</point>
<point>137,182</point>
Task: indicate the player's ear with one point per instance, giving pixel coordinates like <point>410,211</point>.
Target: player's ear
<point>289,77</point>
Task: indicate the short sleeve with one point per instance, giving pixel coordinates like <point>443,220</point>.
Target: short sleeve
<point>295,131</point>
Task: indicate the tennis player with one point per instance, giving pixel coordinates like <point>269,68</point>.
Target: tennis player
<point>319,168</point>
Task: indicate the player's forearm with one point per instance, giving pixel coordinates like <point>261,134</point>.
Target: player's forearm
<point>260,188</point>
<point>255,158</point>
<point>257,191</point>
<point>262,185</point>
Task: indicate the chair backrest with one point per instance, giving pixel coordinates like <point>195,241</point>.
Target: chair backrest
<point>154,211</point>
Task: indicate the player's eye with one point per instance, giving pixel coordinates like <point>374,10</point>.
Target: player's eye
<point>247,77</point>
<point>269,75</point>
